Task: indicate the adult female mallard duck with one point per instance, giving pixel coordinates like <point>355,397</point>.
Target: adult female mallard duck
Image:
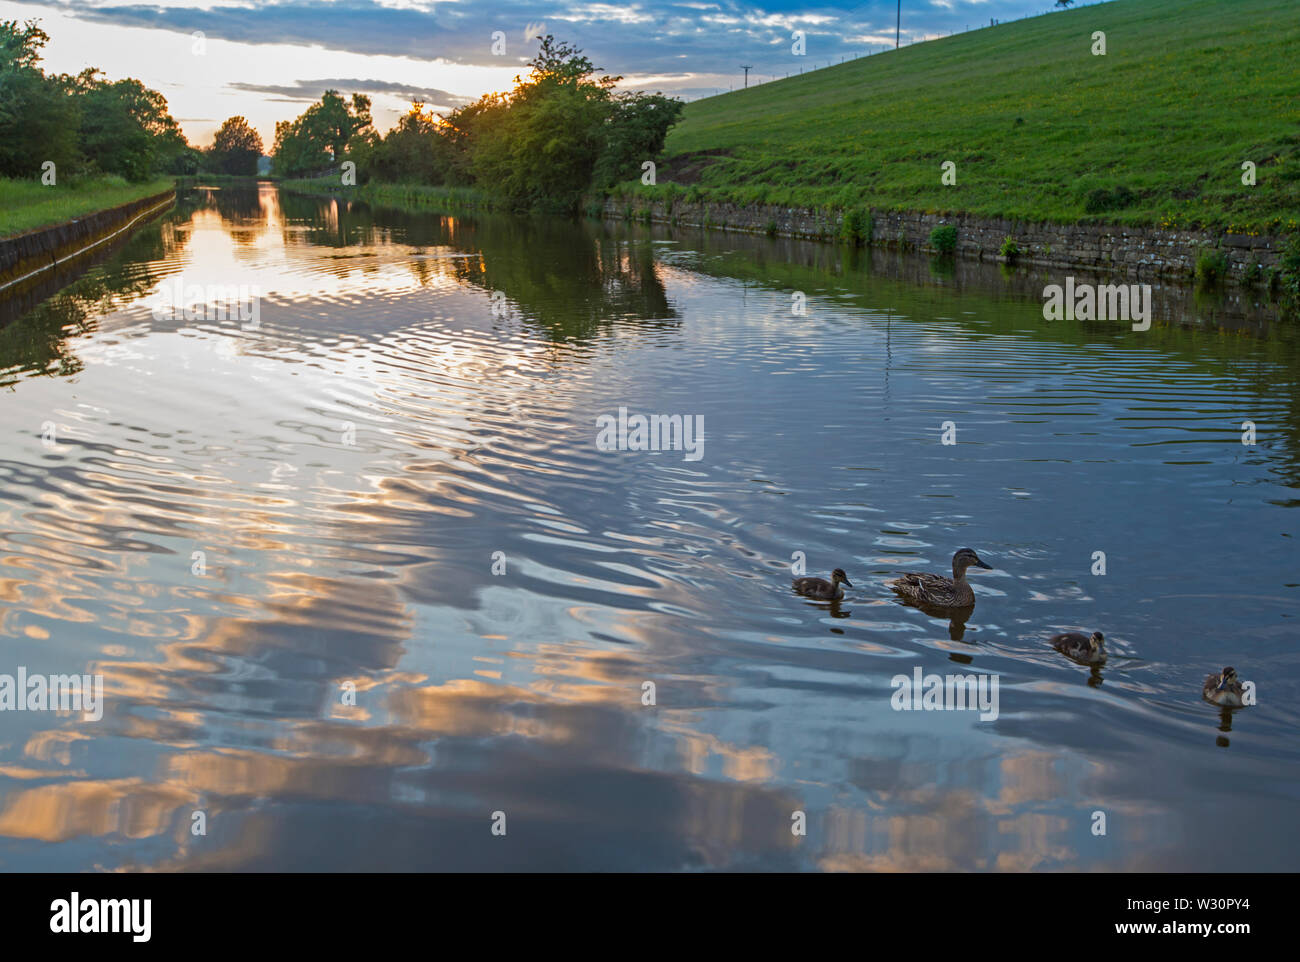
<point>1085,648</point>
<point>821,589</point>
<point>936,591</point>
<point>1223,689</point>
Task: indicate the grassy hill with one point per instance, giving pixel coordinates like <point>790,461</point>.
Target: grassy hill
<point>1154,132</point>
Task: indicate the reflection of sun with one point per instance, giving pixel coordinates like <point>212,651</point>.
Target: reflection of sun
<point>267,255</point>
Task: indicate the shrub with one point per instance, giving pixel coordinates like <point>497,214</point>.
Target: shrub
<point>1211,265</point>
<point>856,226</point>
<point>770,228</point>
<point>944,239</point>
<point>1009,248</point>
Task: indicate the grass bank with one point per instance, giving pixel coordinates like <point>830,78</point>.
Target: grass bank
<point>405,196</point>
<point>1039,128</point>
<point>28,204</point>
<point>198,180</point>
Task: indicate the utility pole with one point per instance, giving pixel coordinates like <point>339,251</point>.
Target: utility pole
<point>898,24</point>
<point>748,67</point>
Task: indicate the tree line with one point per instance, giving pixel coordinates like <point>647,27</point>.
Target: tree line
<point>559,132</point>
<point>87,125</point>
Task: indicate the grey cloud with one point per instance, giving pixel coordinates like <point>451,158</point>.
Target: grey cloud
<point>462,32</point>
<point>311,90</point>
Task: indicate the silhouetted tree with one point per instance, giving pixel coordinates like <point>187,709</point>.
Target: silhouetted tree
<point>236,148</point>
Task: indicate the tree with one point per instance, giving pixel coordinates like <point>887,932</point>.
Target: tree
<point>543,151</point>
<point>39,115</point>
<point>540,146</point>
<point>634,133</point>
<point>82,123</point>
<point>236,148</point>
<point>125,127</point>
<point>412,152</point>
<point>294,152</point>
<point>333,121</point>
<point>320,136</point>
<point>20,47</point>
<point>461,129</point>
<point>186,162</point>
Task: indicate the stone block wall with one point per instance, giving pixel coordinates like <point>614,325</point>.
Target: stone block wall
<point>1136,252</point>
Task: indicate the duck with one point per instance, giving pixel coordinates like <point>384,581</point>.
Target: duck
<point>936,591</point>
<point>821,589</point>
<point>1075,644</point>
<point>1223,689</point>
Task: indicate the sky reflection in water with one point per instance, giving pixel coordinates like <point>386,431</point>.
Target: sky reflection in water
<point>370,562</point>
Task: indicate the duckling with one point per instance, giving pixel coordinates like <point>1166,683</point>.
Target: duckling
<point>1085,648</point>
<point>1224,689</point>
<point>821,589</point>
<point>936,591</point>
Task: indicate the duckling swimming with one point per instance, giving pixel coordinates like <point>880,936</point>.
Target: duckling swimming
<point>821,589</point>
<point>936,591</point>
<point>1085,648</point>
<point>1224,689</point>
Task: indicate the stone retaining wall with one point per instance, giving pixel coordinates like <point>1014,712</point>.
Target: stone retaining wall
<point>25,254</point>
<point>1103,248</point>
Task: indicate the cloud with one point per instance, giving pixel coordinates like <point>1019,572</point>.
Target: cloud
<point>307,91</point>
<point>683,41</point>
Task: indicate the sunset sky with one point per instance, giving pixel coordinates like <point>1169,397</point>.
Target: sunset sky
<point>268,61</point>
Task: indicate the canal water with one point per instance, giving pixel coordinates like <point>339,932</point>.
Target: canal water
<point>318,492</point>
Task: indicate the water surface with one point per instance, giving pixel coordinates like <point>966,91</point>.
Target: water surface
<point>391,484</point>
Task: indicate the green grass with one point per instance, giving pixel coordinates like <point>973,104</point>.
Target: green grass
<point>405,196</point>
<point>1155,131</point>
<point>197,180</point>
<point>29,204</point>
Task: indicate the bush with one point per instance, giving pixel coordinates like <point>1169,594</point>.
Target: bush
<point>1211,265</point>
<point>631,133</point>
<point>856,226</point>
<point>1009,248</point>
<point>944,239</point>
<point>770,228</point>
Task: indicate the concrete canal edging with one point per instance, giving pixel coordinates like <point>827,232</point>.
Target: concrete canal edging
<point>28,256</point>
<point>1099,248</point>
